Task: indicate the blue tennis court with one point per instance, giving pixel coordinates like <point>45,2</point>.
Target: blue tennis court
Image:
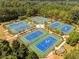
<point>66,28</point>
<point>46,43</point>
<point>18,26</point>
<point>14,25</point>
<point>55,24</point>
<point>22,27</point>
<point>34,35</point>
<point>18,23</point>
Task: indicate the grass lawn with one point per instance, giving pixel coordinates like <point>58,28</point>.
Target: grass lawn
<point>68,47</point>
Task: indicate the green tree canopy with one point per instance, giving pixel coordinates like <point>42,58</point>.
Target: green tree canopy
<point>15,50</point>
<point>73,39</point>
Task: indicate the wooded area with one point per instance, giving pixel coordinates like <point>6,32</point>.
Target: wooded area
<point>65,10</point>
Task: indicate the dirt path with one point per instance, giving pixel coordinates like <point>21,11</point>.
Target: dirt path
<point>2,34</point>
<point>5,35</point>
<point>51,55</point>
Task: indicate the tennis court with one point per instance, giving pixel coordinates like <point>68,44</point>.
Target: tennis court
<point>66,29</point>
<point>55,24</point>
<point>18,26</point>
<point>45,45</point>
<point>39,19</point>
<point>33,36</point>
<point>14,25</point>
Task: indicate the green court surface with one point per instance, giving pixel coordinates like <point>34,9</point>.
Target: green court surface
<point>18,26</point>
<point>45,45</point>
<point>62,27</point>
<point>66,29</point>
<point>39,19</point>
<point>32,37</point>
<point>56,24</point>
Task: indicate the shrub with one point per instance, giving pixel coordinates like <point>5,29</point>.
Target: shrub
<point>75,14</point>
<point>73,39</point>
<point>16,50</point>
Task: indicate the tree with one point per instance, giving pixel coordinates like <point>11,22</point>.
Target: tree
<point>16,50</point>
<point>20,50</point>
<point>73,39</point>
<point>32,55</point>
<point>9,57</point>
<point>5,49</point>
<point>75,14</point>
